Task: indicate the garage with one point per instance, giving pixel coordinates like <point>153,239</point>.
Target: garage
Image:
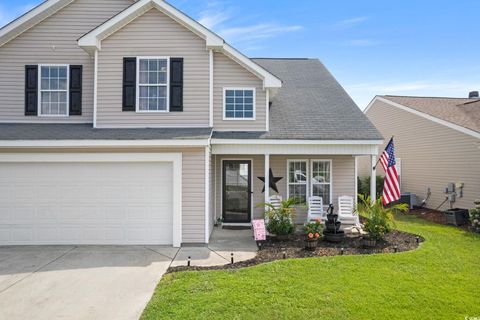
<point>109,199</point>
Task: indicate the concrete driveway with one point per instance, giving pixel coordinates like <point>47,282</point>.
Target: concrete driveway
<point>76,282</point>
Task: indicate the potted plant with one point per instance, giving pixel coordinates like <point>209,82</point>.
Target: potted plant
<point>279,221</point>
<point>378,219</point>
<point>313,230</point>
<point>475,216</point>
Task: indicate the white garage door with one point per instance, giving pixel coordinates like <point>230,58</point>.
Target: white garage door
<point>86,203</point>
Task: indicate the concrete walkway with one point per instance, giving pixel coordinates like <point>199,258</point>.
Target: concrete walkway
<point>100,282</point>
<point>223,243</point>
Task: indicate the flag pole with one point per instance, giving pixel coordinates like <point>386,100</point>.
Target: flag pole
<point>376,164</point>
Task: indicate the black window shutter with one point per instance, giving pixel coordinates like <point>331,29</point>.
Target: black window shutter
<point>31,90</point>
<point>176,84</point>
<point>129,83</point>
<point>75,90</point>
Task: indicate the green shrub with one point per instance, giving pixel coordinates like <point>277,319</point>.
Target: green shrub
<point>379,219</point>
<point>280,221</point>
<point>364,186</point>
<point>475,216</point>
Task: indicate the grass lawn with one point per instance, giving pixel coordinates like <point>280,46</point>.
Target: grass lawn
<point>440,280</point>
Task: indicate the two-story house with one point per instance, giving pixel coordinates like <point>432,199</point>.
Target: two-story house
<point>127,122</point>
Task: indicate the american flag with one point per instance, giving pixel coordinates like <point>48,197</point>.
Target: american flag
<point>391,187</point>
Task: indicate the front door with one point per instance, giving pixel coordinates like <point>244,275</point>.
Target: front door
<point>237,180</point>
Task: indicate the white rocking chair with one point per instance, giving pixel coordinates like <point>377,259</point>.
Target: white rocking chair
<point>276,201</point>
<point>346,214</point>
<point>316,210</point>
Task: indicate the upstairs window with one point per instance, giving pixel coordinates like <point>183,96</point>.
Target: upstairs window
<point>152,88</point>
<point>239,103</point>
<point>53,90</point>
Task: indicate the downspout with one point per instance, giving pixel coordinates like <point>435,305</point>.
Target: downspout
<point>95,88</point>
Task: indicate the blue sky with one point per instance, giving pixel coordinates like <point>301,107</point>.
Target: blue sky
<point>372,47</point>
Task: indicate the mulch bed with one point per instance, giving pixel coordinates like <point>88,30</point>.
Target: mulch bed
<point>273,249</point>
<point>434,216</point>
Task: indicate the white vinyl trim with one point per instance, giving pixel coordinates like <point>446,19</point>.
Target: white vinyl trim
<point>93,39</point>
<point>330,183</point>
<point>207,194</point>
<point>100,143</point>
<point>426,116</point>
<point>241,89</point>
<point>307,189</point>
<point>175,158</point>
<point>39,92</point>
<point>356,179</point>
<point>28,17</point>
<point>295,142</point>
<point>95,88</point>
<point>267,111</point>
<point>167,85</point>
<point>210,102</point>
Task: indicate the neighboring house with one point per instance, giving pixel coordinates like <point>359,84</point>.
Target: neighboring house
<point>127,122</point>
<point>437,141</point>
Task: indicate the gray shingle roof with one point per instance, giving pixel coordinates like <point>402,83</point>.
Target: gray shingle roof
<point>311,105</point>
<point>464,112</point>
<point>87,132</point>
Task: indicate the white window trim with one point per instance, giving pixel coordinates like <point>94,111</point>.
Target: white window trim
<point>39,108</point>
<point>307,188</point>
<point>331,179</point>
<point>137,102</point>
<point>225,103</point>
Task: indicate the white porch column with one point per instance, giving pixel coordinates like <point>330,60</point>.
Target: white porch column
<point>373,179</point>
<point>267,178</point>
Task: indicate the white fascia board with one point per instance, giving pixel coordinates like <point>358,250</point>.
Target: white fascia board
<point>269,80</point>
<point>448,124</point>
<point>94,37</point>
<point>295,142</point>
<point>27,21</point>
<point>101,143</point>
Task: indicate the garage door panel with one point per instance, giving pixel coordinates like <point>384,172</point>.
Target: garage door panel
<point>86,203</point>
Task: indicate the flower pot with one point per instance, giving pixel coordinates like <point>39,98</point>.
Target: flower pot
<point>311,244</point>
<point>369,242</point>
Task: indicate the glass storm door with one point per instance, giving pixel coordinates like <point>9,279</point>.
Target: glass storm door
<point>237,197</point>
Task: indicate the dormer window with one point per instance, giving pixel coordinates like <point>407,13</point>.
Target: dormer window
<point>153,81</point>
<point>239,104</point>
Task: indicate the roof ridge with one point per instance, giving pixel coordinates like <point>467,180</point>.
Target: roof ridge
<point>267,58</point>
<point>426,97</point>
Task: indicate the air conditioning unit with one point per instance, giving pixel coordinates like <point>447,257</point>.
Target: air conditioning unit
<point>408,198</point>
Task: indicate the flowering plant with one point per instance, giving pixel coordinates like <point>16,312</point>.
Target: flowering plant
<point>313,230</point>
<point>475,216</point>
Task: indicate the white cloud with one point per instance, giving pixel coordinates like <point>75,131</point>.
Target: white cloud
<point>256,32</point>
<point>360,43</point>
<point>220,18</point>
<point>363,93</point>
<point>348,23</point>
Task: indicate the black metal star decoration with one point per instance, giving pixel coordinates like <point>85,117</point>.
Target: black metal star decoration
<point>273,181</point>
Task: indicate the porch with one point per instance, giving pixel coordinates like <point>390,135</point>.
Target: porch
<point>239,177</point>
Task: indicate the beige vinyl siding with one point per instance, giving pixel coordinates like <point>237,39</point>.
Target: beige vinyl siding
<point>52,41</point>
<point>193,184</point>
<point>432,155</point>
<point>228,73</point>
<point>211,195</point>
<point>343,179</point>
<point>153,34</point>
